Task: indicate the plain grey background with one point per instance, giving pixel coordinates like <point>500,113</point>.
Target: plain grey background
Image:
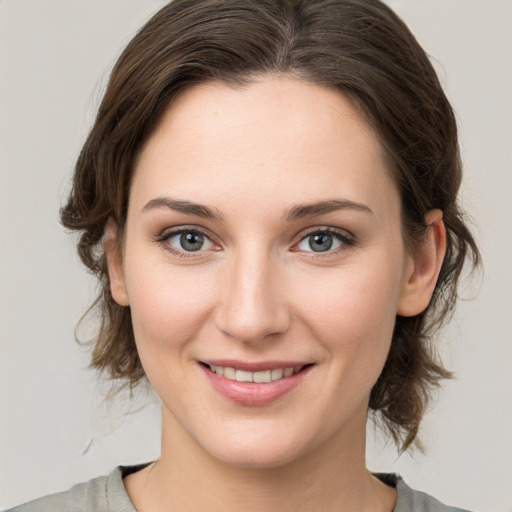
<point>55,431</point>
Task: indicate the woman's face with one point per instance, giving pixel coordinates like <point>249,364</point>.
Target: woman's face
<point>263,238</point>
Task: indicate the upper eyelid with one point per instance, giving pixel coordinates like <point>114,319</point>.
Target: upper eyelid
<point>345,238</point>
<point>325,229</point>
<point>164,237</point>
<point>168,232</point>
<point>173,231</point>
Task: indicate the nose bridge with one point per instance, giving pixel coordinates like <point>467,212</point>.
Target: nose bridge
<point>253,304</point>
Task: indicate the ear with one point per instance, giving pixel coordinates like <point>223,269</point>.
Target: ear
<point>423,267</point>
<point>113,252</point>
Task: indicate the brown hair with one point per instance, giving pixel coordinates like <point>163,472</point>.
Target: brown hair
<point>359,47</point>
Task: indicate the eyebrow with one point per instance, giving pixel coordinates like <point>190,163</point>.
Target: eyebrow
<point>298,211</point>
<point>181,206</point>
<point>322,207</point>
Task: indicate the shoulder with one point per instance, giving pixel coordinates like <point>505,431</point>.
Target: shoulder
<point>102,494</point>
<point>80,498</point>
<point>409,499</point>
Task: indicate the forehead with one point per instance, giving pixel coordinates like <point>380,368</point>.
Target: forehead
<point>275,137</point>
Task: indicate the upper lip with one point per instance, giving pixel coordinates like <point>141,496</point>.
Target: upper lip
<point>254,366</point>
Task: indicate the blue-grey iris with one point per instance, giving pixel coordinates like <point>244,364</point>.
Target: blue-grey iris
<point>320,242</point>
<point>192,241</point>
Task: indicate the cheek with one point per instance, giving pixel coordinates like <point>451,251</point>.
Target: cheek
<point>353,314</point>
<point>168,307</point>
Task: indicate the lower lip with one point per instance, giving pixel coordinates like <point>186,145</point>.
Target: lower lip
<point>252,393</point>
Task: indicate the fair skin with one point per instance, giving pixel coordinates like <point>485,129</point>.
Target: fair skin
<point>262,278</point>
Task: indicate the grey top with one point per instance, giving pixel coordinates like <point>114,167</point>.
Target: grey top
<point>108,494</point>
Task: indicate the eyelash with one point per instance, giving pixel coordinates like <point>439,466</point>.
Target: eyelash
<point>346,241</point>
<point>164,238</point>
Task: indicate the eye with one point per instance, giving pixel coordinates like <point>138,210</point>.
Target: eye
<point>323,241</point>
<point>187,240</point>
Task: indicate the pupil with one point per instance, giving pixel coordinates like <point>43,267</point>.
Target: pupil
<point>320,243</point>
<point>191,241</point>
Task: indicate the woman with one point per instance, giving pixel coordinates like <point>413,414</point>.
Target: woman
<point>269,199</point>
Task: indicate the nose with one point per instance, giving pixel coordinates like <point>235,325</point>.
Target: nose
<point>253,304</point>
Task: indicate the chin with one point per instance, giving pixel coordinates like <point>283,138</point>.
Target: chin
<point>256,458</point>
<point>258,449</point>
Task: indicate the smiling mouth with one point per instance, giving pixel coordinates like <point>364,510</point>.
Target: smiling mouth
<point>261,376</point>
<point>255,383</point>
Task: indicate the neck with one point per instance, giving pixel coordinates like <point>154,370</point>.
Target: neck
<point>333,476</point>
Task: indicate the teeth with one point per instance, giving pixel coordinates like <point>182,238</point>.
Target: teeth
<point>242,376</point>
<point>245,376</point>
<point>229,373</point>
<point>262,376</point>
<point>277,374</point>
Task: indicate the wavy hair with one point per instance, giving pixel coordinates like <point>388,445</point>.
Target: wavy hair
<point>359,47</point>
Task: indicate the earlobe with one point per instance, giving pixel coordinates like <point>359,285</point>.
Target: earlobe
<point>423,267</point>
<point>114,255</point>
